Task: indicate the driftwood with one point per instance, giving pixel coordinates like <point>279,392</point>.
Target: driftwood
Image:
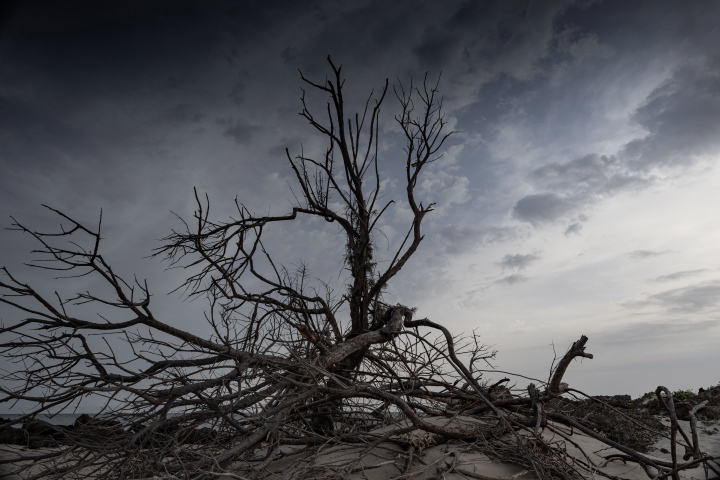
<point>287,363</point>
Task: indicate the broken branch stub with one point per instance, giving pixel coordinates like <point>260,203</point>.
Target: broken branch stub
<point>556,387</point>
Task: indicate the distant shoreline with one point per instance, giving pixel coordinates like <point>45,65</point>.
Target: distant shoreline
<point>63,419</point>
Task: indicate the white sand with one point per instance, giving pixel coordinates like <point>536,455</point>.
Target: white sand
<point>387,460</point>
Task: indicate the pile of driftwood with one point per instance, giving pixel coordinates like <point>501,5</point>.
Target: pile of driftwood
<point>394,397</point>
<point>287,362</point>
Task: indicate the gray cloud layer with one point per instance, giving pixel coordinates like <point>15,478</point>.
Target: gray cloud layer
<point>639,333</point>
<point>682,120</point>
<point>682,117</point>
<point>461,239</point>
<point>679,275</point>
<point>684,300</point>
<point>544,207</point>
<point>643,254</point>
<point>513,279</point>
<point>518,261</point>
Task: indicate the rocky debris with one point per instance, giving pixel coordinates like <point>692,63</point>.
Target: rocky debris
<point>622,401</point>
<point>709,393</point>
<point>11,436</point>
<point>33,434</point>
<point>709,413</point>
<point>682,410</point>
<point>39,434</point>
<point>619,421</point>
<point>624,420</point>
<point>86,420</point>
<point>684,401</point>
<point>97,427</point>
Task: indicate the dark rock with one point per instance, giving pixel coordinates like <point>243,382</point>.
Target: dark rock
<point>622,401</point>
<point>86,419</point>
<point>38,427</point>
<point>682,410</point>
<point>83,419</point>
<point>709,413</point>
<point>87,426</point>
<point>33,434</point>
<point>13,436</point>
<point>609,421</point>
<point>709,394</point>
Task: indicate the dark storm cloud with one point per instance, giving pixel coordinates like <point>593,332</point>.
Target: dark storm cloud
<point>545,207</point>
<point>514,30</point>
<point>471,42</point>
<point>586,47</point>
<point>46,158</point>
<point>590,175</point>
<point>643,254</point>
<point>461,239</point>
<point>31,132</point>
<point>278,151</point>
<point>682,117</point>
<point>240,131</point>
<point>583,181</point>
<point>237,94</point>
<point>589,171</point>
<point>679,275</point>
<point>691,299</point>
<point>436,47</point>
<point>518,261</point>
<point>157,62</point>
<point>183,113</point>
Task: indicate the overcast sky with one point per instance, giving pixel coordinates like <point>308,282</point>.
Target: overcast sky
<point>580,196</point>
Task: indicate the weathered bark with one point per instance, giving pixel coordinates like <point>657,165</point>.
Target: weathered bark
<point>556,387</point>
<point>364,340</point>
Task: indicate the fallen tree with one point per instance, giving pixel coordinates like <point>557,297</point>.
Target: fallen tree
<point>288,363</point>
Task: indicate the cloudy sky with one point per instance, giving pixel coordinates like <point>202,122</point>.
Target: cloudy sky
<point>579,196</point>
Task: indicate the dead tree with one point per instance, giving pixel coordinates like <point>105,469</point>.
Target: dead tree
<point>288,362</point>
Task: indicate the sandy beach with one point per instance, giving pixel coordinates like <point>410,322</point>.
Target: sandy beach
<point>452,460</point>
<point>387,462</point>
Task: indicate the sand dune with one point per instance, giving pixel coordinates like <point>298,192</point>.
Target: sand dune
<point>450,460</point>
